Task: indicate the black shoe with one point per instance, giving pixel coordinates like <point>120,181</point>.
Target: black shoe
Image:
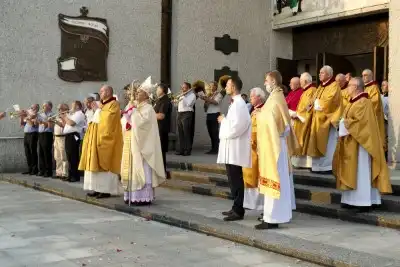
<point>33,173</point>
<point>40,174</point>
<point>64,178</point>
<point>73,180</point>
<point>186,154</point>
<point>103,195</point>
<point>265,226</point>
<point>363,209</point>
<point>260,219</point>
<point>233,217</point>
<point>227,213</point>
<point>347,206</point>
<point>212,152</point>
<point>26,173</point>
<point>47,175</point>
<point>179,153</point>
<point>93,194</point>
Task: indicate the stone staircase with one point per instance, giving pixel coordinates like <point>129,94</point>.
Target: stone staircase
<point>315,194</point>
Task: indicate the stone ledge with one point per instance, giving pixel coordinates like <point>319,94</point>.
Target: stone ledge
<point>324,254</point>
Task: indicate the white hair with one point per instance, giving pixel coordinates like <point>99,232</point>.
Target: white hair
<point>259,92</point>
<point>368,71</point>
<point>328,70</point>
<point>306,77</point>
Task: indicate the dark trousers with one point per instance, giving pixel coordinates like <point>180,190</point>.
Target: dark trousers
<point>30,145</point>
<point>45,153</point>
<point>185,121</point>
<point>236,183</point>
<point>72,150</point>
<point>213,130</point>
<point>193,125</point>
<point>164,147</point>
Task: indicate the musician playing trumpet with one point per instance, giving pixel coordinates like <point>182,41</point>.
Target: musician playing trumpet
<point>185,119</point>
<point>60,156</point>
<point>45,140</point>
<point>212,107</point>
<point>29,122</point>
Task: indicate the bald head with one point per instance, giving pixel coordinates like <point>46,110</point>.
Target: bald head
<point>106,92</point>
<point>295,83</point>
<point>367,76</point>
<point>341,80</point>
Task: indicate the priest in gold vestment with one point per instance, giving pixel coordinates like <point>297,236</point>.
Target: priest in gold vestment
<point>252,198</point>
<point>343,84</point>
<point>276,142</point>
<point>327,108</point>
<point>372,89</point>
<point>302,122</point>
<point>142,165</point>
<point>359,162</point>
<point>102,148</point>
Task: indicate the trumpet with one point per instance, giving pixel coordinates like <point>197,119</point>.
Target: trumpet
<point>57,116</point>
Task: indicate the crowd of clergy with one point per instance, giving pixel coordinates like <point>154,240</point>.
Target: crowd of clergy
<point>337,127</point>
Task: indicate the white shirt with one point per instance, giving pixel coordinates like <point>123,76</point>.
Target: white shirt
<point>215,108</point>
<point>80,121</point>
<point>385,105</point>
<point>235,135</point>
<point>186,102</point>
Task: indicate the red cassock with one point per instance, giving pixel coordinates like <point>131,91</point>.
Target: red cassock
<point>293,98</point>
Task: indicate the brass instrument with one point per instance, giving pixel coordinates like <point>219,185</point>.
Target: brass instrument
<point>222,84</point>
<point>57,116</point>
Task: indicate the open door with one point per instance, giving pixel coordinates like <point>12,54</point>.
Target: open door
<point>379,64</point>
<point>288,70</point>
<point>319,64</point>
<point>338,63</point>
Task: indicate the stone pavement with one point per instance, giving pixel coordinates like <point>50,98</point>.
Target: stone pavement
<point>39,229</point>
<point>307,237</point>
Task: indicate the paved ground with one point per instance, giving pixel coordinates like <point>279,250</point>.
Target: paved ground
<point>40,229</point>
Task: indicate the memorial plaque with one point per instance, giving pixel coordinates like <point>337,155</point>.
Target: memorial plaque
<point>226,44</point>
<point>84,48</point>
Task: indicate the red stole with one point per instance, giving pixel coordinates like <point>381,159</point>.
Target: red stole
<point>293,98</point>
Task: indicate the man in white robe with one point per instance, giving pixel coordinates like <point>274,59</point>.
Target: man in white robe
<point>235,146</point>
<point>275,141</point>
<point>143,161</point>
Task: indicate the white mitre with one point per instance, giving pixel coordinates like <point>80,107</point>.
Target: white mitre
<point>147,86</point>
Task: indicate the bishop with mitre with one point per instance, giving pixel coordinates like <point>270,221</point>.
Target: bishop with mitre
<point>327,109</point>
<point>359,162</point>
<point>102,148</point>
<point>275,142</point>
<point>302,122</point>
<point>142,164</point>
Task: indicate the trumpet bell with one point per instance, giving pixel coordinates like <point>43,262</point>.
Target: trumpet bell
<point>223,80</point>
<point>199,86</point>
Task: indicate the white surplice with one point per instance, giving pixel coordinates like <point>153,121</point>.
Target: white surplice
<point>102,182</point>
<point>235,135</point>
<point>323,164</point>
<point>280,210</point>
<point>364,195</point>
<point>253,200</point>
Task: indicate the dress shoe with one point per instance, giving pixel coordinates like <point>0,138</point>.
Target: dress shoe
<point>233,217</point>
<point>93,194</point>
<point>40,174</point>
<point>179,153</point>
<point>212,152</point>
<point>33,173</point>
<point>103,195</point>
<point>227,213</point>
<point>26,173</point>
<point>265,226</point>
<point>73,180</point>
<point>47,175</point>
<point>363,209</point>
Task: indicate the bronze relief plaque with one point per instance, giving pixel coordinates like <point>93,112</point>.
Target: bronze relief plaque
<point>84,48</point>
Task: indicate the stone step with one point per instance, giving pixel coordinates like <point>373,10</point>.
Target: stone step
<point>321,204</point>
<point>307,237</point>
<point>303,189</point>
<point>301,176</point>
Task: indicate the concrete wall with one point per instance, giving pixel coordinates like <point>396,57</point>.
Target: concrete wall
<point>30,46</point>
<point>316,11</point>
<point>193,54</point>
<point>394,82</point>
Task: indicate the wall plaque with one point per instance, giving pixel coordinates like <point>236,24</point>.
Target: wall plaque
<point>225,71</point>
<point>226,44</point>
<point>84,48</point>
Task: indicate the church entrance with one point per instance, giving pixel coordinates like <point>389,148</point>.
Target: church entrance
<point>350,45</point>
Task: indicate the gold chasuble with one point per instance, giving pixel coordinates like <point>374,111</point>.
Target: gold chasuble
<point>360,122</point>
<point>272,121</point>
<point>145,146</point>
<point>345,98</point>
<point>302,128</point>
<point>330,99</point>
<point>250,175</point>
<point>372,90</point>
<point>102,144</point>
